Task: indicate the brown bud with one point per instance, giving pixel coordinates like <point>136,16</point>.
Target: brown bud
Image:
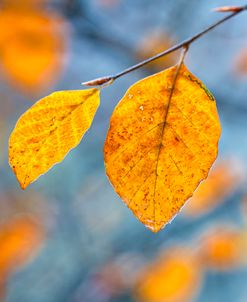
<point>99,81</point>
<point>225,9</point>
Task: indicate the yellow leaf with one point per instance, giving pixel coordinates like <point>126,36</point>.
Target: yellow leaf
<point>49,130</point>
<point>161,144</point>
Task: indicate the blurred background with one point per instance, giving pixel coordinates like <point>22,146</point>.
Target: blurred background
<point>68,237</point>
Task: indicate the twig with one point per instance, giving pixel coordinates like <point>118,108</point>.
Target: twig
<point>107,80</point>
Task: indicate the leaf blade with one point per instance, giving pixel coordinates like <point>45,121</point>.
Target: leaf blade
<point>153,163</point>
<point>49,130</point>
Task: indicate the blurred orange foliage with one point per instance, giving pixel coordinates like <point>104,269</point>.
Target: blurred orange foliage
<point>222,248</point>
<point>23,4</point>
<point>32,47</point>
<point>174,277</point>
<point>221,182</point>
<point>19,240</point>
<point>153,43</point>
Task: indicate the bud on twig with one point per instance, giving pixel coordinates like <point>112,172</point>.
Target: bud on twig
<point>225,9</point>
<point>99,82</point>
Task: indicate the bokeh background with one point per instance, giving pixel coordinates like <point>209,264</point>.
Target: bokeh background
<point>69,237</point>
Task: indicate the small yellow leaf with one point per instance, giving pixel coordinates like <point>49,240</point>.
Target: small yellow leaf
<point>161,144</point>
<point>49,130</point>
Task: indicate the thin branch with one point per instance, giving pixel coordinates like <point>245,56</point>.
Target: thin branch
<point>109,79</point>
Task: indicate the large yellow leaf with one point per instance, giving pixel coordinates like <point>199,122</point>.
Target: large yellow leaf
<point>161,144</point>
<point>49,130</point>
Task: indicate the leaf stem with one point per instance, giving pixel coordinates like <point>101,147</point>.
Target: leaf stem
<point>185,43</point>
<point>166,110</point>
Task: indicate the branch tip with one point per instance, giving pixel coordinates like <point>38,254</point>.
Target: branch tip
<point>108,80</point>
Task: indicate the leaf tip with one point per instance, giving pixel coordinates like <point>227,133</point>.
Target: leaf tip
<point>154,226</point>
<point>23,185</point>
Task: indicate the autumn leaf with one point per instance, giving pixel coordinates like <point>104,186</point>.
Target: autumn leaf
<point>161,143</point>
<point>49,130</point>
<point>175,276</point>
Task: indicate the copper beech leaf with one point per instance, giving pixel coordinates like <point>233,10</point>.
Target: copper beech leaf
<point>162,141</point>
<point>49,130</point>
